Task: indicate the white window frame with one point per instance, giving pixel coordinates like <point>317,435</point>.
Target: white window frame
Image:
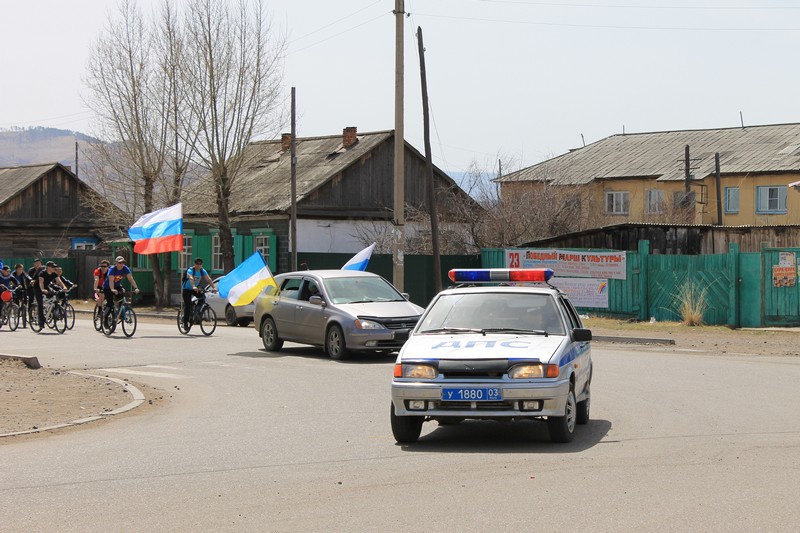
<point>619,202</point>
<point>216,253</point>
<point>186,253</point>
<point>655,201</point>
<point>771,199</point>
<point>261,245</point>
<point>731,199</point>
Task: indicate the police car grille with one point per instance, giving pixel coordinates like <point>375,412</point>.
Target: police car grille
<point>456,374</point>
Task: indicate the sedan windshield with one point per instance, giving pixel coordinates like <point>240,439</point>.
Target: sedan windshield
<point>361,290</point>
<point>495,313</point>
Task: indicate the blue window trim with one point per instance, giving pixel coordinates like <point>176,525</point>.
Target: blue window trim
<point>728,210</point>
<point>84,240</point>
<point>760,190</point>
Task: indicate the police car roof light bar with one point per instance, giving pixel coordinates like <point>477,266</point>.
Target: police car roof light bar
<point>489,275</point>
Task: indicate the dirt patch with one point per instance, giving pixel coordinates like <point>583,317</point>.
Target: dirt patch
<point>35,399</point>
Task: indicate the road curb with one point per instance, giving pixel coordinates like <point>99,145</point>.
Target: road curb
<point>632,340</point>
<point>138,399</point>
<point>30,361</point>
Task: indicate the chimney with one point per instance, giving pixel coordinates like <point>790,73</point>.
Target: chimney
<point>349,137</point>
<point>286,141</point>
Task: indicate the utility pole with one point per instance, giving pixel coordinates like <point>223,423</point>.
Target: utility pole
<point>293,155</point>
<point>432,211</point>
<point>76,158</point>
<point>399,151</point>
<point>719,189</point>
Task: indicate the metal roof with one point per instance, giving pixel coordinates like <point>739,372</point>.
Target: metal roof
<point>660,155</point>
<point>14,180</point>
<point>263,183</point>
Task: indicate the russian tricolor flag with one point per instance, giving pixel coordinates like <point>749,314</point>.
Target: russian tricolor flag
<point>361,259</point>
<point>159,231</point>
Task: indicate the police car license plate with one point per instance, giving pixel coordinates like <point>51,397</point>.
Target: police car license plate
<point>472,394</point>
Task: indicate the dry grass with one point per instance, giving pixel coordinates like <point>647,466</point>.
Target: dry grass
<point>691,301</point>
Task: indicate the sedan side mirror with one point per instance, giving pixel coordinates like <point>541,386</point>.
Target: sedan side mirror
<point>582,334</point>
<point>405,295</point>
<point>316,300</point>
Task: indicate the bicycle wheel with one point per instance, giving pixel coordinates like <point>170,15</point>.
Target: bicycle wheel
<point>69,312</point>
<point>181,327</point>
<point>12,315</point>
<point>208,321</point>
<point>128,321</point>
<point>109,321</point>
<point>59,316</point>
<point>97,318</point>
<point>49,318</point>
<point>33,318</point>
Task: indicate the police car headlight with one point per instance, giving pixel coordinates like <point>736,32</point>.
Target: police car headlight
<point>526,372</point>
<point>533,371</point>
<point>368,324</point>
<point>414,371</point>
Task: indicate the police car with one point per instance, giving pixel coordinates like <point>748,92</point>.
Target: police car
<point>503,345</point>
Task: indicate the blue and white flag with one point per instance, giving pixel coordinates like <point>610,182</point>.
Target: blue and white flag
<point>243,283</point>
<point>360,260</point>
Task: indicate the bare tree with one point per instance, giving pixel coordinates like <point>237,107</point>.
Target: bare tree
<point>232,71</point>
<point>125,96</point>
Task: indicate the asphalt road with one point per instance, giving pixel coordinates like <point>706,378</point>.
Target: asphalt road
<point>291,441</point>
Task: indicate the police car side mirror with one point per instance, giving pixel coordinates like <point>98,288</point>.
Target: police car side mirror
<point>582,334</point>
<point>316,300</point>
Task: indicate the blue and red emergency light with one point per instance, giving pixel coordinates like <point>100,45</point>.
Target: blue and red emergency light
<point>488,275</point>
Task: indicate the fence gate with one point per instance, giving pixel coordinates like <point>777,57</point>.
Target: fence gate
<point>781,291</point>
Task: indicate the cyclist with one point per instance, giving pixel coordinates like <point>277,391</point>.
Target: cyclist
<point>67,283</point>
<point>25,282</point>
<point>33,273</point>
<point>113,281</point>
<point>191,286</point>
<point>99,279</point>
<point>7,283</point>
<point>42,286</point>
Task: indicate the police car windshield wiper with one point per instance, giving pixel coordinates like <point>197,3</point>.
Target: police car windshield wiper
<point>451,330</point>
<point>515,330</point>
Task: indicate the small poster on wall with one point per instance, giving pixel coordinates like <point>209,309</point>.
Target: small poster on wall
<point>784,276</point>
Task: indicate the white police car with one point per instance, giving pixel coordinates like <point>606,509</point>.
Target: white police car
<point>514,351</point>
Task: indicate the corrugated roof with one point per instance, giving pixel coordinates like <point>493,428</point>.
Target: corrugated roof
<point>14,180</point>
<point>660,155</point>
<point>263,184</point>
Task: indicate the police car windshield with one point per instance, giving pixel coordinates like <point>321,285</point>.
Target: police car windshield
<point>494,313</point>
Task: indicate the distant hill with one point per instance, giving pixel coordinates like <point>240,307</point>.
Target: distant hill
<point>40,145</point>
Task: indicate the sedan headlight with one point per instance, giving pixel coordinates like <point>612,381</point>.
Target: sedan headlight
<point>533,371</point>
<point>368,324</point>
<point>414,371</point>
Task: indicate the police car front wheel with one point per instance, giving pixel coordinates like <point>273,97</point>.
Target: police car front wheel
<point>406,429</point>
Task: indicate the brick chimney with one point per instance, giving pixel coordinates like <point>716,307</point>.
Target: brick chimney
<point>286,141</point>
<point>349,137</point>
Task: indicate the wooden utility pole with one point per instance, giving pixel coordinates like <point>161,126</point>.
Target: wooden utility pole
<point>399,152</point>
<point>719,189</point>
<point>293,224</point>
<point>687,172</point>
<point>432,211</point>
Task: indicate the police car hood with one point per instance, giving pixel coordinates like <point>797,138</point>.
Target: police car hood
<point>478,346</point>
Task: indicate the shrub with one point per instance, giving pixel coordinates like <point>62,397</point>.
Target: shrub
<point>691,302</point>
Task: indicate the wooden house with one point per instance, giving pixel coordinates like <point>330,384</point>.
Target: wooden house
<point>41,212</point>
<point>345,190</point>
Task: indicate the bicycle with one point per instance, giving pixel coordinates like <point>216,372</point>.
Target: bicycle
<point>201,313</point>
<point>21,299</point>
<point>68,309</point>
<point>97,315</point>
<point>10,313</point>
<point>55,317</point>
<point>122,312</point>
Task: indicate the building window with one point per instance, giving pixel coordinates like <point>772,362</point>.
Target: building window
<point>186,254</point>
<point>84,246</point>
<point>617,202</point>
<point>216,253</point>
<point>731,199</point>
<point>683,199</point>
<point>655,201</point>
<point>771,200</point>
<point>261,245</point>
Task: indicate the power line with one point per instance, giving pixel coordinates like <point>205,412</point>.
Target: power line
<point>338,34</point>
<point>46,119</point>
<point>601,26</point>
<point>334,22</point>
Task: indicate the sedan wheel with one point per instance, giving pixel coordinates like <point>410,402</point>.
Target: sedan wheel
<point>334,343</point>
<point>269,336</point>
<point>230,316</point>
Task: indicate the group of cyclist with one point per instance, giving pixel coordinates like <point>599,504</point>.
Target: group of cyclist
<point>40,281</point>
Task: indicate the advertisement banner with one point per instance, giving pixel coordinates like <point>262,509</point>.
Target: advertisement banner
<point>784,276</point>
<point>610,265</point>
<point>584,292</point>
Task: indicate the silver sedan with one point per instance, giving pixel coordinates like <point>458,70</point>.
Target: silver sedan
<point>239,315</point>
<point>341,310</point>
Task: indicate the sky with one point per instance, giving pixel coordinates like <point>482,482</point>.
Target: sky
<point>521,80</point>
